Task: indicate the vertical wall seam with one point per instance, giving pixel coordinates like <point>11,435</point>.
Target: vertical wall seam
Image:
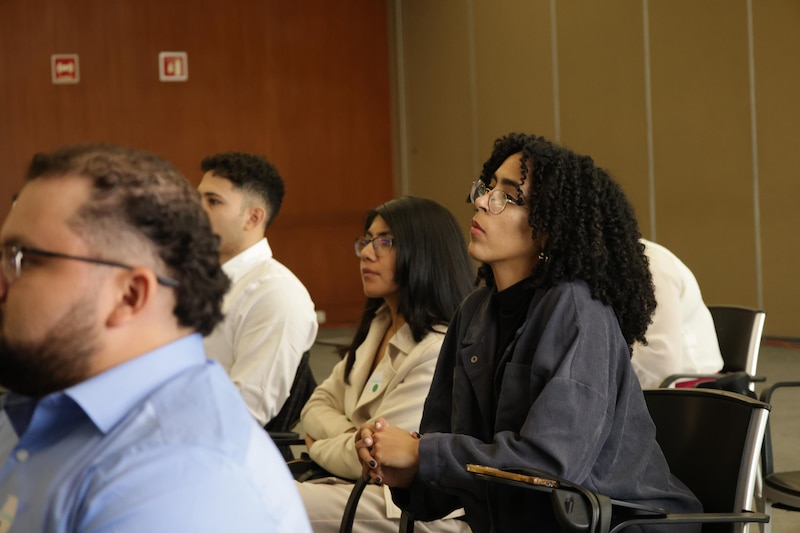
<point>473,87</point>
<point>754,149</point>
<point>402,121</point>
<point>648,105</point>
<point>556,96</point>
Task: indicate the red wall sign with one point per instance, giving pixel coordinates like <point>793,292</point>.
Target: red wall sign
<point>64,68</point>
<point>173,66</point>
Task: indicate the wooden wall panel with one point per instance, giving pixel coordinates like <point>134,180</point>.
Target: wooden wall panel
<point>306,84</point>
<point>485,67</point>
<point>513,71</point>
<point>777,38</point>
<point>438,103</point>
<point>602,92</point>
<point>703,162</point>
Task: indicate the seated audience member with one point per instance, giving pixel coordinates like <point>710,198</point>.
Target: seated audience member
<point>535,368</point>
<point>415,271</point>
<point>269,316</point>
<point>681,339</point>
<point>116,420</point>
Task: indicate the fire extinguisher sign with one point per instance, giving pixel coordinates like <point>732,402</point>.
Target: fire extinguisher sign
<point>64,68</point>
<point>173,66</point>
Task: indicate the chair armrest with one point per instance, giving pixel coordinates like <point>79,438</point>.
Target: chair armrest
<point>578,509</point>
<point>766,394</point>
<point>286,438</point>
<point>699,518</point>
<point>406,522</point>
<point>349,515</point>
<point>767,457</point>
<point>669,380</point>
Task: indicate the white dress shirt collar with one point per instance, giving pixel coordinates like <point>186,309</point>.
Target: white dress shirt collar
<point>240,264</point>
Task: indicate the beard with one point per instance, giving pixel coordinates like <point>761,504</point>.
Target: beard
<point>61,359</point>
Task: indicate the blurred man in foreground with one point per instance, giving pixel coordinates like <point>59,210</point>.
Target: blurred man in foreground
<point>115,419</point>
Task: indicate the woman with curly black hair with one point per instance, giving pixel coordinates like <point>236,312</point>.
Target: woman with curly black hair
<point>535,369</point>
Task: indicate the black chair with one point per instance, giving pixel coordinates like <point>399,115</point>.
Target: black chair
<point>349,515</point>
<point>280,427</point>
<point>779,489</point>
<point>739,332</point>
<point>711,440</point>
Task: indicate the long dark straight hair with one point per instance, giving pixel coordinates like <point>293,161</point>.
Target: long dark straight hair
<point>433,270</point>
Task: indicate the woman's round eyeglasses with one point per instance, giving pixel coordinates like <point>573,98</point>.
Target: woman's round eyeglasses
<point>497,198</point>
<point>381,244</point>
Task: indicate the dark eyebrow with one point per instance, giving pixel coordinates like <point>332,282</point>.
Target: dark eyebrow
<point>505,181</point>
<point>212,193</point>
<point>16,240</point>
<point>509,182</point>
<point>381,234</point>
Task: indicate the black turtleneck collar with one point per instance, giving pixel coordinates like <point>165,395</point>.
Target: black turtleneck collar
<point>512,307</point>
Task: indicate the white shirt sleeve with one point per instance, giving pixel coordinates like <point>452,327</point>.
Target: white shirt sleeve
<point>269,323</point>
<point>681,338</point>
<point>273,328</point>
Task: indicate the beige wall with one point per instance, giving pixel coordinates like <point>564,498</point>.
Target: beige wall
<point>778,116</point>
<point>657,91</point>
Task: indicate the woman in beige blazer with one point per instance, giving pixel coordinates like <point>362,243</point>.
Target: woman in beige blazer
<point>415,271</point>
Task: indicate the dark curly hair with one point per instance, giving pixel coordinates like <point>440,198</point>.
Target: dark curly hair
<point>592,231</point>
<point>141,206</point>
<point>433,270</point>
<point>251,173</point>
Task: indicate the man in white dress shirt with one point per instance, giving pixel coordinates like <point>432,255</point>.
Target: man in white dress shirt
<point>682,338</point>
<point>269,316</point>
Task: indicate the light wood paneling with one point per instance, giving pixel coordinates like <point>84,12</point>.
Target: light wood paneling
<point>777,40</point>
<point>483,68</point>
<point>602,92</point>
<point>438,102</point>
<point>513,71</point>
<point>703,164</point>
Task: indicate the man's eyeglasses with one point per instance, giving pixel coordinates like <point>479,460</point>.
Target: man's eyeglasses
<point>497,198</point>
<point>13,259</point>
<point>381,244</point>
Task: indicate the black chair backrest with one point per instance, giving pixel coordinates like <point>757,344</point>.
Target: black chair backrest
<point>739,334</point>
<point>711,441</point>
<point>302,387</point>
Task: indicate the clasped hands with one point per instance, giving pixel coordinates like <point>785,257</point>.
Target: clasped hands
<point>388,454</point>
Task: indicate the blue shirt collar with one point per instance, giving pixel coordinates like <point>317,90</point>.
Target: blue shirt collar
<point>107,397</point>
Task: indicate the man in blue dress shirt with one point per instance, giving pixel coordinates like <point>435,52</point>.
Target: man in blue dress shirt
<point>115,420</point>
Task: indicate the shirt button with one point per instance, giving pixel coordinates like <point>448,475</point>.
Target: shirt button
<point>473,359</point>
<point>22,455</point>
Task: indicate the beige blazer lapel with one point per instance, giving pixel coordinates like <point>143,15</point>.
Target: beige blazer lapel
<point>377,383</point>
<point>365,354</point>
